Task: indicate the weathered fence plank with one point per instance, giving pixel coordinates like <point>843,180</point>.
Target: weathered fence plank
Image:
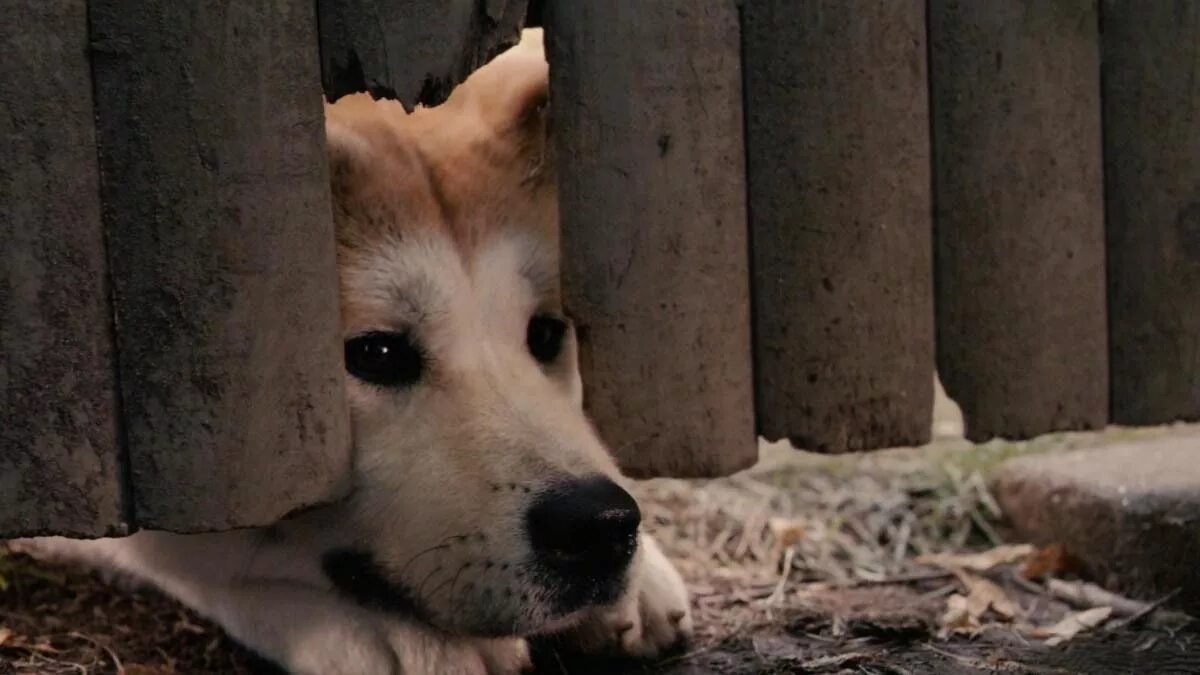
<point>1022,343</point>
<point>838,171</point>
<point>60,466</point>
<point>647,115</point>
<point>1152,180</point>
<point>221,245</point>
<point>415,51</point>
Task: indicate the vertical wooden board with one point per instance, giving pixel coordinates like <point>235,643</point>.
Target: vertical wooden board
<point>222,253</point>
<point>1151,59</point>
<point>838,168</point>
<point>647,116</point>
<point>1021,319</point>
<point>415,51</point>
<point>60,465</point>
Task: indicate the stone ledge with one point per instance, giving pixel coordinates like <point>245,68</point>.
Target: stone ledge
<point>1130,512</point>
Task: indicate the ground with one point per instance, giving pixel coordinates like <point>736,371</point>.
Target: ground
<point>802,564</point>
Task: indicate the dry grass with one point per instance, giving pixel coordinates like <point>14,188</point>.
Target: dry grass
<point>862,527</point>
<point>60,620</point>
<point>802,564</point>
<point>797,524</point>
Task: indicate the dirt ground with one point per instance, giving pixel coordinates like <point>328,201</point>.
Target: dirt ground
<point>891,562</point>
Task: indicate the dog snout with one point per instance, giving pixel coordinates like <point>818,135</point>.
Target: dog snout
<point>585,526</point>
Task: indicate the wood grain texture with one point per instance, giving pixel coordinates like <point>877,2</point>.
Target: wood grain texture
<point>415,51</point>
<point>647,115</point>
<point>1022,343</point>
<point>1152,187</point>
<point>60,465</point>
<point>838,169</point>
<point>221,243</point>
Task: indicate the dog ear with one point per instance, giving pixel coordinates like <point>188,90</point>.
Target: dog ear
<point>349,155</point>
<point>512,92</point>
<point>348,148</point>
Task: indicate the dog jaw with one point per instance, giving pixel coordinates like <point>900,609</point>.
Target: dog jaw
<point>447,227</point>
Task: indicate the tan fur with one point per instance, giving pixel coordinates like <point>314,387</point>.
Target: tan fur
<point>447,229</point>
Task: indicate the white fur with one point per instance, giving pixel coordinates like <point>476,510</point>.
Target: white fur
<point>428,463</point>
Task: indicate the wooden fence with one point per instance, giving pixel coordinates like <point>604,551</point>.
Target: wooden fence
<point>779,218</point>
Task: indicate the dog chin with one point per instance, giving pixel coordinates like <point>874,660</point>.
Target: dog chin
<point>559,599</point>
<point>554,605</point>
<point>568,594</point>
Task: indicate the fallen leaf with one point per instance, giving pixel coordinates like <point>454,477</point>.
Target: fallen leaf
<point>139,669</point>
<point>786,531</point>
<point>978,562</point>
<point>957,619</point>
<point>44,647</point>
<point>838,661</point>
<point>1086,595</point>
<point>1051,561</point>
<point>185,626</point>
<point>1072,625</point>
<point>964,614</point>
<point>983,595</point>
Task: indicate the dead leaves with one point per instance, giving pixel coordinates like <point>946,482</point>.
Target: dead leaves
<point>958,619</point>
<point>965,614</point>
<point>140,669</point>
<point>1051,561</point>
<point>978,562</point>
<point>1088,595</point>
<point>786,531</point>
<point>1072,625</point>
<point>983,601</point>
<point>984,595</point>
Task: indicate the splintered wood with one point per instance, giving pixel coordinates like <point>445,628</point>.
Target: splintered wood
<point>413,51</point>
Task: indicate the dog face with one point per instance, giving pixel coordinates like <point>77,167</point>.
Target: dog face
<point>484,501</point>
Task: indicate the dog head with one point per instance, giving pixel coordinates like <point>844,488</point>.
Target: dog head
<point>484,501</point>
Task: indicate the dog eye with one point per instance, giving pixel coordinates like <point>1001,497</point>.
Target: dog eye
<point>385,359</point>
<point>544,337</point>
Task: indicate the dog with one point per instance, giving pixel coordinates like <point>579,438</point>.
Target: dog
<point>485,508</point>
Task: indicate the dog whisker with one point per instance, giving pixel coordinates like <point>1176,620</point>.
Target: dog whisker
<point>421,588</point>
<point>453,581</point>
<point>441,546</point>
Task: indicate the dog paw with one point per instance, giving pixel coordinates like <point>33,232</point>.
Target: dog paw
<point>653,618</point>
<point>422,653</point>
<point>505,656</point>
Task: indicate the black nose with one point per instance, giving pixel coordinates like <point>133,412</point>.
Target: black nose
<point>586,526</point>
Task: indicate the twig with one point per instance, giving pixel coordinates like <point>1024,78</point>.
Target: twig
<point>897,579</point>
<point>112,655</point>
<point>1019,579</point>
<point>1149,609</point>
<point>834,661</point>
<point>940,591</point>
<point>1088,595</point>
<point>985,527</point>
<point>904,534</point>
<point>686,656</point>
<point>777,595</point>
